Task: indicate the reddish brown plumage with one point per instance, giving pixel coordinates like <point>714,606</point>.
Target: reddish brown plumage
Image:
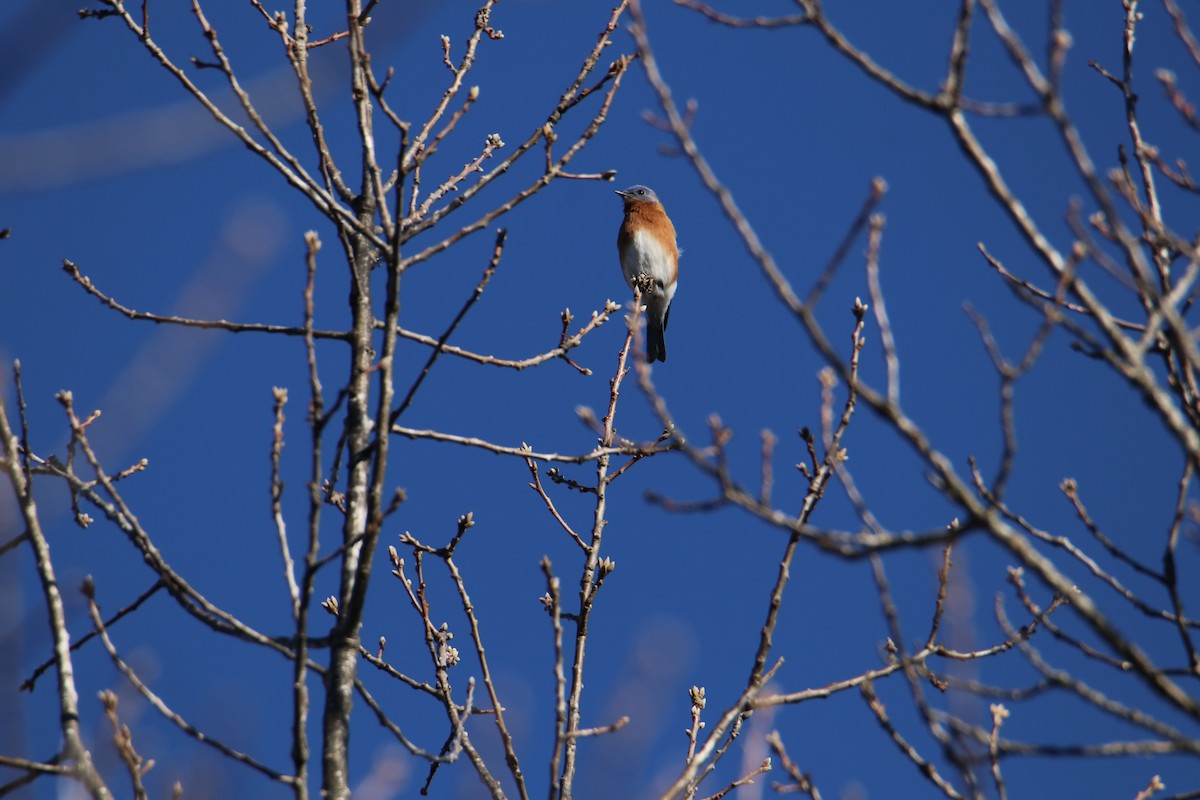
<point>651,218</point>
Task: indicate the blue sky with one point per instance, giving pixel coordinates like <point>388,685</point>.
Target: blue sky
<point>105,162</point>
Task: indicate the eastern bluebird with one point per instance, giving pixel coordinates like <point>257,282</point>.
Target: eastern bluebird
<point>646,243</point>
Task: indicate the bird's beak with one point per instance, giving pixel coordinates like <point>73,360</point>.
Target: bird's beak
<point>623,195</point>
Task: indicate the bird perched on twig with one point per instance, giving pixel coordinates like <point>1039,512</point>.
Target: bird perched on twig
<point>646,244</point>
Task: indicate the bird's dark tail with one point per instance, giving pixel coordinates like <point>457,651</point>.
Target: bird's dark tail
<point>656,343</point>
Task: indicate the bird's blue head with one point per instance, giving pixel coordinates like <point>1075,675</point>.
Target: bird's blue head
<point>639,194</point>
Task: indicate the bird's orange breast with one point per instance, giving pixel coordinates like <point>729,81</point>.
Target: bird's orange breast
<point>648,218</point>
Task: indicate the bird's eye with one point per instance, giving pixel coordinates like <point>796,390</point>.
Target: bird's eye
<point>641,191</point>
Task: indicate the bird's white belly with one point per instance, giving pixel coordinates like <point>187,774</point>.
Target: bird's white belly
<point>646,257</point>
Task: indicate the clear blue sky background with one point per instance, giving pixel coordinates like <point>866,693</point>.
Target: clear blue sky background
<point>104,161</point>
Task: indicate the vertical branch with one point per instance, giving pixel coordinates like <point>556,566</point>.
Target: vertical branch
<point>356,557</point>
<point>952,86</point>
<point>316,424</point>
<point>1154,210</point>
<point>594,570</point>
<point>874,243</point>
<point>289,566</point>
<point>73,749</point>
<point>999,714</point>
<point>367,453</point>
<point>135,765</point>
<point>364,108</point>
<point>298,55</point>
<point>20,390</point>
<point>344,644</point>
<point>553,600</point>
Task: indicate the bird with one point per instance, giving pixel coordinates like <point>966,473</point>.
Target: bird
<point>646,245</point>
